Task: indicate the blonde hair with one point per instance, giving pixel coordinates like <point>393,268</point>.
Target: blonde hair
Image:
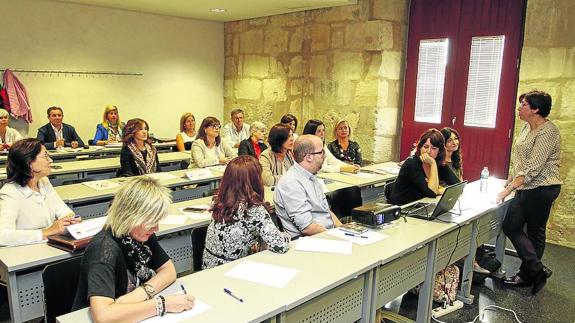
<point>257,126</point>
<point>142,200</point>
<point>183,120</point>
<point>337,125</point>
<point>4,113</point>
<point>107,110</point>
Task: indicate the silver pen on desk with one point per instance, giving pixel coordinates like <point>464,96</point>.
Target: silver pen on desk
<point>229,292</point>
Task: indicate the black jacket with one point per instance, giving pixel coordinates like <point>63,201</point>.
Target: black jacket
<point>246,147</point>
<point>47,136</point>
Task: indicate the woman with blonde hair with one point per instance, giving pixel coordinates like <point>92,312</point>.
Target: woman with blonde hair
<point>110,130</point>
<point>187,132</point>
<point>124,267</point>
<point>7,135</point>
<point>343,148</point>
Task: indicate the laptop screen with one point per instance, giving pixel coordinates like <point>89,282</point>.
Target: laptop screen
<point>448,199</point>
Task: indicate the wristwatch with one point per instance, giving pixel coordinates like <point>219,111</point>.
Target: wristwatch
<point>149,289</point>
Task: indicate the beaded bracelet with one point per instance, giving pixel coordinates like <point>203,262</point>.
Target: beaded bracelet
<point>163,305</point>
<point>158,306</point>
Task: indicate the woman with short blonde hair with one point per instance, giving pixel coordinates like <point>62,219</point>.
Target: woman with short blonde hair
<point>187,132</point>
<point>8,135</point>
<point>110,130</point>
<point>124,267</point>
<point>343,148</point>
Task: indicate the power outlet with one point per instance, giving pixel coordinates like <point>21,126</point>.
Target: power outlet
<point>440,311</point>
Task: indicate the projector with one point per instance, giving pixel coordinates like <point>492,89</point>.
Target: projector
<point>375,214</point>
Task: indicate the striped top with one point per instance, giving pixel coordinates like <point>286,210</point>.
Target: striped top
<point>536,155</point>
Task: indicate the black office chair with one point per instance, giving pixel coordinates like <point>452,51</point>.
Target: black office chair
<point>198,245</point>
<point>388,189</point>
<point>343,201</point>
<point>60,283</point>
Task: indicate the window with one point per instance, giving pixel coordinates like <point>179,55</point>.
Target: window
<point>430,80</point>
<point>483,81</point>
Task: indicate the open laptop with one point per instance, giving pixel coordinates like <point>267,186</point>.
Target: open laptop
<point>430,211</point>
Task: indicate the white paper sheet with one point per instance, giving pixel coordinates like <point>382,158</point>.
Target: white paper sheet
<point>324,245</point>
<point>86,228</point>
<point>175,289</point>
<point>199,173</point>
<point>219,168</point>
<point>261,273</point>
<point>389,169</point>
<point>363,175</point>
<point>370,236</point>
<point>162,176</point>
<point>101,185</point>
<point>114,145</point>
<point>174,219</point>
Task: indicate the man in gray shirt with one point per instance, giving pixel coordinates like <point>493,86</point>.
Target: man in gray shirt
<point>300,202</point>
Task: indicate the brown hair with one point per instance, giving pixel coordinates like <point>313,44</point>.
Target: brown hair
<point>208,122</point>
<point>277,136</point>
<point>242,183</point>
<point>437,140</point>
<point>131,128</point>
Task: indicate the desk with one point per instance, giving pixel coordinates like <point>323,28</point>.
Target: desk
<point>22,265</point>
<point>103,168</point>
<point>338,288</point>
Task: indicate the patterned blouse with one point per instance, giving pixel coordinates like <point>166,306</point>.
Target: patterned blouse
<point>227,242</point>
<point>352,155</point>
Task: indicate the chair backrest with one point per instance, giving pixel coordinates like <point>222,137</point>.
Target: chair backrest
<point>60,283</point>
<point>198,244</point>
<point>388,189</point>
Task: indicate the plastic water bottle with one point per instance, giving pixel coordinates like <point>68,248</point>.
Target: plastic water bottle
<point>484,179</point>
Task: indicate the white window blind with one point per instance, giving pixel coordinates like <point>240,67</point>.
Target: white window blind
<point>430,80</point>
<point>483,81</point>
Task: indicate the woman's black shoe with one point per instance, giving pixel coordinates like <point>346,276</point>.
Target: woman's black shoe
<point>516,281</point>
<point>539,281</point>
<point>547,271</point>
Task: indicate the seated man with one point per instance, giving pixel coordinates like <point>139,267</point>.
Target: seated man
<point>236,131</point>
<point>300,202</point>
<point>56,134</point>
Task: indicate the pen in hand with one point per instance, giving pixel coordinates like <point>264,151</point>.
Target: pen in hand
<point>183,289</point>
<point>229,292</point>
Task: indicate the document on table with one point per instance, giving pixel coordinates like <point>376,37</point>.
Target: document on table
<point>366,237</point>
<point>101,185</point>
<point>363,175</point>
<point>114,145</point>
<point>162,176</point>
<point>324,245</point>
<point>174,219</point>
<point>200,173</point>
<point>389,169</point>
<point>260,273</point>
<point>86,228</point>
<point>175,289</point>
<point>219,168</point>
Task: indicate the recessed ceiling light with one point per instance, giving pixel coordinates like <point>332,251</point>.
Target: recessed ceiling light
<point>218,10</point>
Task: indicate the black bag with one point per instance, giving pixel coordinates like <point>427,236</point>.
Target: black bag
<point>486,259</point>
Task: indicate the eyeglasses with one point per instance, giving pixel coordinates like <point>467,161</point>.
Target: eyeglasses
<point>322,152</point>
<point>45,156</point>
<point>215,126</point>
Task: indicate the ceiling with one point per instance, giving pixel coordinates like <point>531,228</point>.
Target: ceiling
<point>200,9</point>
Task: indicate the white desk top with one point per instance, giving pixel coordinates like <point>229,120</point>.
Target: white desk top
<point>355,180</point>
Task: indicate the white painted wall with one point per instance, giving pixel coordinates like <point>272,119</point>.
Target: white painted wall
<point>182,61</point>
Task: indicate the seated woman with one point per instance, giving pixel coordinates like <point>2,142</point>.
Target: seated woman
<point>124,267</point>
<point>110,130</point>
<point>239,216</point>
<point>342,147</point>
<point>453,155</point>
<point>290,120</point>
<point>30,209</point>
<point>330,163</point>
<point>187,132</point>
<point>8,136</point>
<point>138,156</point>
<point>420,174</point>
<point>277,159</point>
<point>209,149</point>
<point>254,145</point>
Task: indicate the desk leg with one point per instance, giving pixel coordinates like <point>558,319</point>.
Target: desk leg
<point>369,290</point>
<point>464,293</point>
<point>501,240</point>
<point>425,301</point>
<point>13,301</point>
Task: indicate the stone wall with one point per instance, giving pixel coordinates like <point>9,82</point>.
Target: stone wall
<point>341,62</point>
<point>548,64</point>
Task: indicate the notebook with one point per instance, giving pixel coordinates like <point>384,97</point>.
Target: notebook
<point>430,211</point>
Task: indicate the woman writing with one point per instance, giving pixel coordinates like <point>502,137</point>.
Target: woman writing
<point>254,145</point>
<point>30,209</point>
<point>124,267</point>
<point>209,149</point>
<point>535,162</point>
<point>138,156</point>
<point>330,163</point>
<point>110,130</point>
<point>342,147</point>
<point>420,174</point>
<point>8,136</point>
<point>239,217</point>
<point>278,158</point>
<point>187,132</point>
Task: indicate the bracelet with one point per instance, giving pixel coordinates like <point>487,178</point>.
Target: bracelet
<point>513,188</point>
<point>158,306</point>
<point>163,305</point>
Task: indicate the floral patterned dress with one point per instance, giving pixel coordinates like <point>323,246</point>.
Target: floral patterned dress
<point>227,242</point>
<point>352,155</point>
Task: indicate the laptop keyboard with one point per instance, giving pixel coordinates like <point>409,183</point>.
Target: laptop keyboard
<point>420,208</point>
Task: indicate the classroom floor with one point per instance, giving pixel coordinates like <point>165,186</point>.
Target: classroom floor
<point>554,304</point>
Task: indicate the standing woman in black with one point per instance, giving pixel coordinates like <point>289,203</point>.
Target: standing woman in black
<point>535,161</point>
<point>138,156</point>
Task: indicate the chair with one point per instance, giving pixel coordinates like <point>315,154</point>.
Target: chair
<point>60,283</point>
<point>388,189</point>
<point>90,142</point>
<point>198,244</point>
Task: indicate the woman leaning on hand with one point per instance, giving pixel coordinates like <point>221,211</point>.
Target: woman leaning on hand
<point>30,209</point>
<point>124,267</point>
<point>534,175</point>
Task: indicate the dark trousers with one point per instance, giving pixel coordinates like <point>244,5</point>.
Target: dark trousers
<point>525,224</point>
